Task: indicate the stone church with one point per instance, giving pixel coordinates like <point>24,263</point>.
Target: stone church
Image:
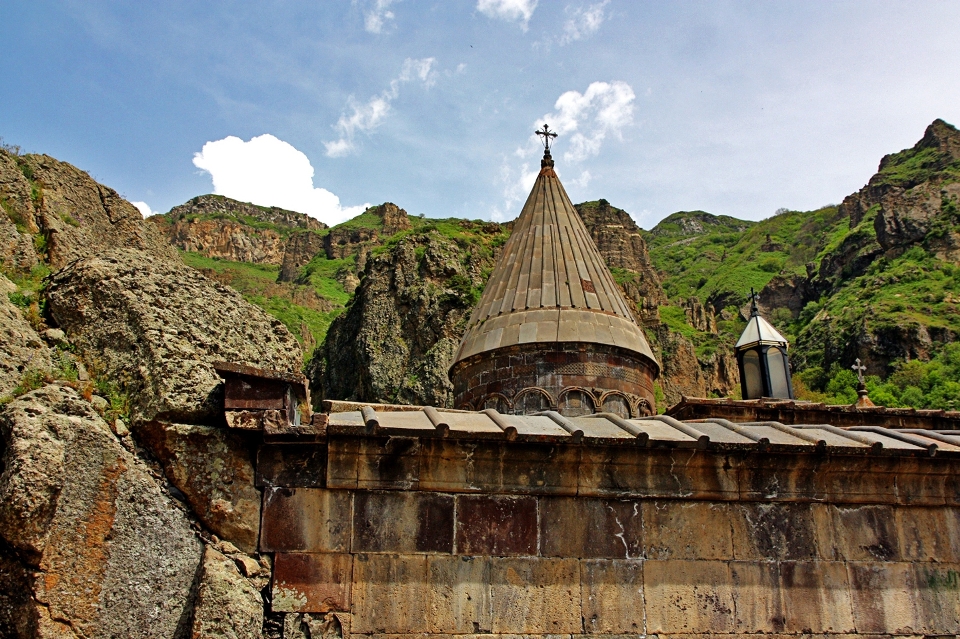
<point>557,501</point>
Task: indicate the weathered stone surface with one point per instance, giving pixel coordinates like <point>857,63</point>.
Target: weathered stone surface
<point>689,597</point>
<point>312,582</point>
<point>397,521</point>
<point>390,594</point>
<point>552,607</point>
<point>459,595</point>
<point>111,555</point>
<point>157,326</point>
<point>298,250</point>
<point>603,528</point>
<point>227,605</point>
<point>497,525</point>
<point>213,467</point>
<point>816,597</point>
<point>879,604</point>
<point>612,594</point>
<point>22,348</point>
<point>306,520</point>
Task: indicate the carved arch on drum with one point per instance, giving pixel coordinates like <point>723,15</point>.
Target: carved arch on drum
<point>498,402</point>
<point>575,401</point>
<point>532,399</point>
<point>617,403</point>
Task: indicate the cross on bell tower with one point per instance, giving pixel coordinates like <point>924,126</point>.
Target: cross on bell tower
<point>859,368</point>
<point>546,136</point>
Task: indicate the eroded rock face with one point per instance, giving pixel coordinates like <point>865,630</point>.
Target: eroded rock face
<point>213,467</point>
<point>20,346</point>
<point>300,248</point>
<point>397,340</point>
<point>156,326</point>
<point>103,551</point>
<point>227,604</point>
<point>77,216</point>
<point>226,239</point>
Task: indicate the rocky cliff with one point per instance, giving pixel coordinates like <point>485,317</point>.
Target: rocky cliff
<point>126,509</point>
<point>219,227</point>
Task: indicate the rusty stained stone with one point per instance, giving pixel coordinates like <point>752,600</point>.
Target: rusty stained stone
<point>631,471</point>
<point>612,597</point>
<point>590,528</point>
<point>403,522</point>
<point>486,466</point>
<point>689,597</point>
<point>535,596</point>
<point>816,597</point>
<point>244,419</point>
<point>392,462</point>
<point>305,520</point>
<point>311,582</point>
<point>881,601</point>
<point>292,465</point>
<point>496,525</point>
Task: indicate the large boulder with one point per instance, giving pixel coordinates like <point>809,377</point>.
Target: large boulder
<point>156,326</point>
<point>227,604</point>
<point>213,468</point>
<point>102,550</point>
<point>22,348</point>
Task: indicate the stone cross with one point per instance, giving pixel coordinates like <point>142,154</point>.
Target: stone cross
<point>547,135</point>
<point>858,369</point>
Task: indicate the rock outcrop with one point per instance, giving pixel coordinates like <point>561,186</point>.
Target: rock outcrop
<point>299,249</point>
<point>155,327</point>
<point>213,468</point>
<point>96,548</point>
<point>227,604</point>
<point>396,341</point>
<point>75,216</point>
<point>23,350</point>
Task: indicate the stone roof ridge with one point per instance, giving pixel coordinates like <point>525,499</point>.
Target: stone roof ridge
<point>549,281</point>
<point>712,433</point>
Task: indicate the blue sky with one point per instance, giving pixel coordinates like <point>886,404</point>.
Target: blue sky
<point>736,108</point>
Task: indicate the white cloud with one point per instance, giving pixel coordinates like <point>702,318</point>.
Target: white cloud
<point>145,209</point>
<point>583,22</point>
<point>269,172</point>
<point>605,108</point>
<point>377,15</point>
<point>365,117</point>
<point>510,10</point>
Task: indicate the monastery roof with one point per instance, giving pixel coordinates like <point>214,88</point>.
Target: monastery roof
<point>759,331</point>
<point>661,431</point>
<point>551,284</point>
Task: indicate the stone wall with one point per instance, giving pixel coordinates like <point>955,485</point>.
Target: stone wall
<point>398,536</point>
<point>572,378</point>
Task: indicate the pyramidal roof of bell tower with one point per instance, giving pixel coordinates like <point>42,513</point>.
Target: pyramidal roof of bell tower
<point>550,283</point>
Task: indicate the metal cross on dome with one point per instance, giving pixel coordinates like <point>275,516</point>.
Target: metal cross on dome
<point>547,135</point>
<point>858,369</point>
<point>754,303</point>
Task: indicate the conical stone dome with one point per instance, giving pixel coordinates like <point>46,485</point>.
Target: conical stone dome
<point>552,330</point>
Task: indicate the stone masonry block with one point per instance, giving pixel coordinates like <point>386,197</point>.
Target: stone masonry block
<point>938,590</point>
<point>862,533</point>
<point>628,471</point>
<point>342,453</point>
<point>459,595</point>
<point>816,597</point>
<point>867,479</point>
<point>757,597</point>
<point>305,520</point>
<point>612,594</point>
<point>885,599</point>
<point>688,597</point>
<point>390,594</point>
<point>406,522</point>
<point>311,582</point>
<point>927,534</point>
<point>535,595</point>
<point>688,529</point>
<point>590,528</point>
<point>497,525</point>
<point>388,463</point>
<point>292,465</point>
<point>774,530</point>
